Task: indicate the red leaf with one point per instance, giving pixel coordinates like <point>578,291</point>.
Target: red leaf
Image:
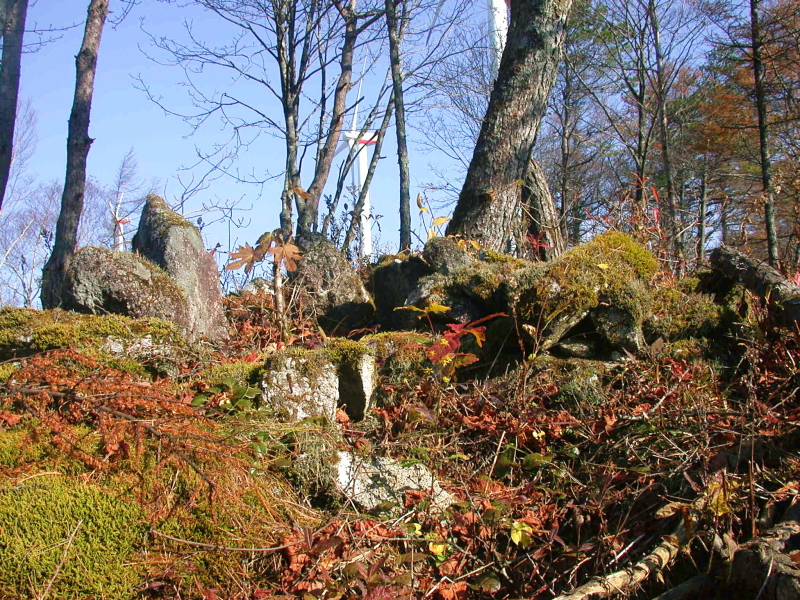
<point>10,419</point>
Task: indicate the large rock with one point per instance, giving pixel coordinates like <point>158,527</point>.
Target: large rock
<point>393,280</point>
<point>171,242</point>
<point>339,299</point>
<point>99,281</point>
<point>300,383</point>
<point>373,483</point>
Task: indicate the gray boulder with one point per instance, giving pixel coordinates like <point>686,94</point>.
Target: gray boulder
<point>339,299</point>
<point>99,281</point>
<point>373,483</point>
<point>171,242</point>
<point>301,383</point>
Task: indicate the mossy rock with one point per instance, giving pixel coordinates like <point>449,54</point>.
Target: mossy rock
<point>134,345</point>
<point>680,312</point>
<point>37,519</point>
<point>554,297</point>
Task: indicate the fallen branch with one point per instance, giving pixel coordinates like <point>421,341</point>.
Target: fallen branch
<point>626,580</point>
<point>761,279</point>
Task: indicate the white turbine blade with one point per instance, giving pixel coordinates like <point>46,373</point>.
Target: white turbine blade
<point>434,21</point>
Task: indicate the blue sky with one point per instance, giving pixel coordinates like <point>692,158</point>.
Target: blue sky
<point>123,117</point>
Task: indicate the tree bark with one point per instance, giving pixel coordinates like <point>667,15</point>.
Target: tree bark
<point>490,199</point>
<point>78,144</point>
<point>761,279</point>
<point>395,38</point>
<point>307,208</point>
<point>543,221</point>
<point>13,29</point>
<point>763,135</point>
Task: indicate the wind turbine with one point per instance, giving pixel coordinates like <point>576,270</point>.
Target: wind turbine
<point>361,139</point>
<point>497,19</point>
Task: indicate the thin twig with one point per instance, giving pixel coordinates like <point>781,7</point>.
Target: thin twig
<point>62,561</point>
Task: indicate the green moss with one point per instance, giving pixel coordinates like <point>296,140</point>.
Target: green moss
<point>37,518</point>
<point>26,331</point>
<point>598,271</point>
<point>7,370</point>
<point>241,372</point>
<point>492,257</point>
<point>680,313</point>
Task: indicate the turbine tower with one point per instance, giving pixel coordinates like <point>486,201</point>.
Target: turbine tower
<point>498,29</point>
<point>355,137</point>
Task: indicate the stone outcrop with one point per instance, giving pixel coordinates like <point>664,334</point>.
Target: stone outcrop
<point>300,383</point>
<point>339,299</point>
<point>600,287</point>
<point>100,281</point>
<point>376,483</point>
<point>168,240</point>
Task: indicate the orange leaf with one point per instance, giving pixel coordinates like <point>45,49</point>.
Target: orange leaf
<point>302,193</point>
<point>288,253</point>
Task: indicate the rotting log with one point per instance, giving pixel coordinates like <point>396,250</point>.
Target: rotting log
<point>761,279</point>
<point>765,566</point>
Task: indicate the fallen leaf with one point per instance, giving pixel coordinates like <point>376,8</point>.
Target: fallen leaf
<point>10,419</point>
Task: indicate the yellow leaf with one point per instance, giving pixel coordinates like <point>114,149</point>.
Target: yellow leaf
<point>521,534</point>
<point>420,205</point>
<point>440,221</point>
<point>603,266</point>
<point>434,307</point>
<point>431,234</point>
<point>475,244</point>
<point>437,548</point>
<point>302,193</point>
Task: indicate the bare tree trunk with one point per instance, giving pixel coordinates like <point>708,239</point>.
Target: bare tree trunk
<point>13,30</point>
<point>78,144</point>
<point>395,38</point>
<point>701,216</point>
<point>491,197</point>
<point>373,164</point>
<point>666,161</point>
<point>763,135</point>
<point>307,208</point>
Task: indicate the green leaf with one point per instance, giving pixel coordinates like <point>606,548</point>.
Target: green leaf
<point>535,460</point>
<point>260,448</point>
<point>228,382</point>
<point>199,400</point>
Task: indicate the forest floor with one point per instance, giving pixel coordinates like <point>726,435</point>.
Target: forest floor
<point>120,484</point>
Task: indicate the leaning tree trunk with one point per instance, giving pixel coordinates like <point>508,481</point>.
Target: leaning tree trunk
<point>541,217</point>
<point>761,279</point>
<point>491,197</point>
<point>13,32</point>
<point>78,144</point>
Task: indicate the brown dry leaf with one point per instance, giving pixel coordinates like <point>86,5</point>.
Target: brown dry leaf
<point>245,256</point>
<point>288,253</point>
<point>302,193</point>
